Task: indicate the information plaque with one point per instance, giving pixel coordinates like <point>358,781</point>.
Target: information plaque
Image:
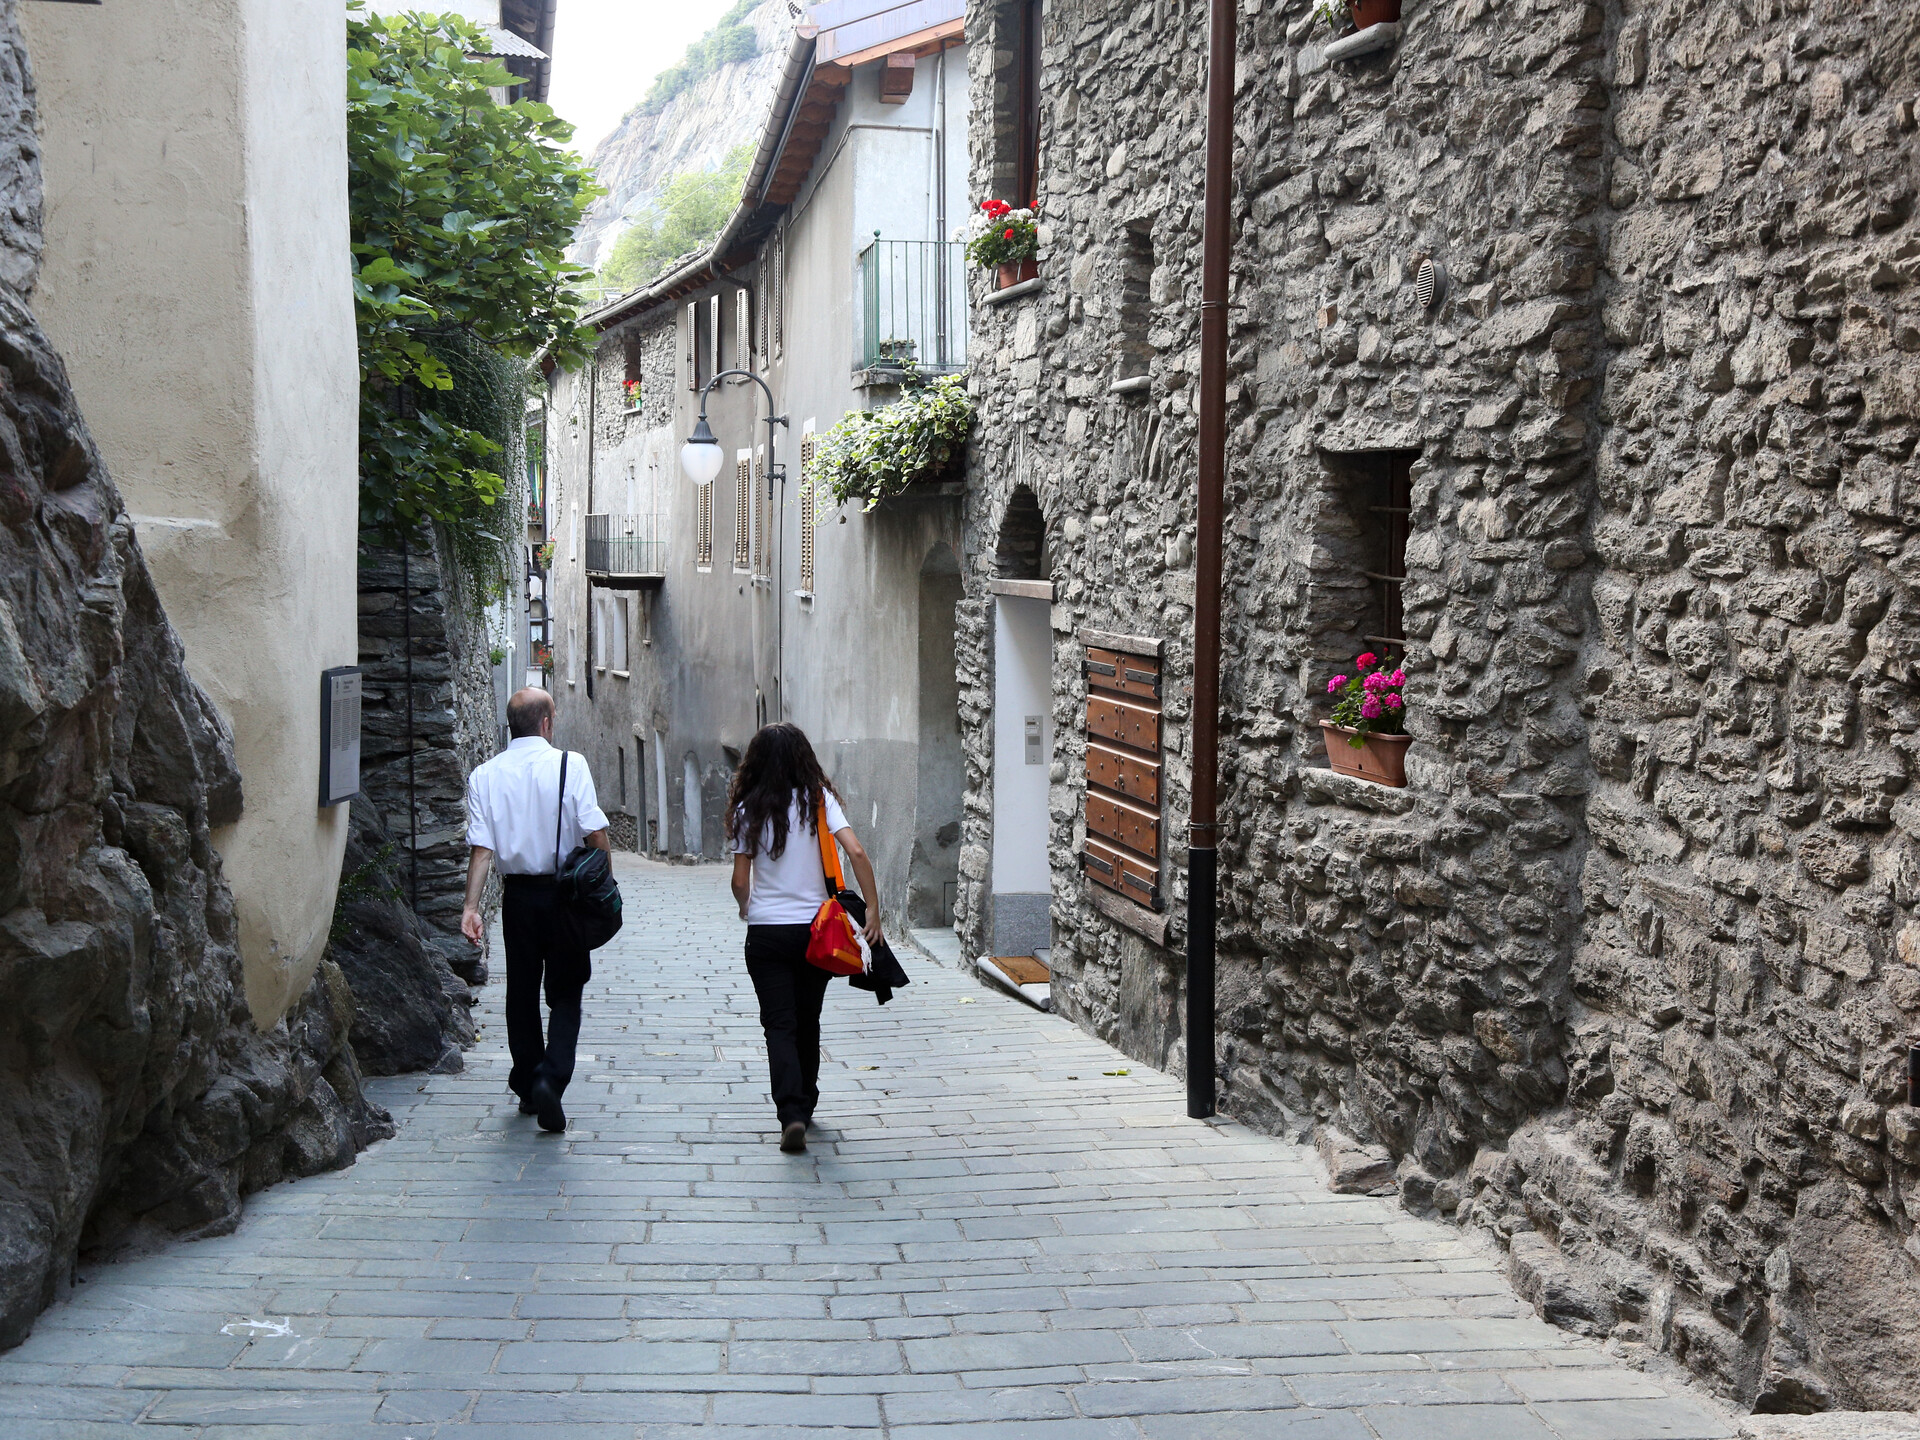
<point>339,734</point>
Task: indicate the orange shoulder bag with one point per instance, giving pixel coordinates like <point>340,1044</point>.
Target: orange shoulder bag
<point>834,945</point>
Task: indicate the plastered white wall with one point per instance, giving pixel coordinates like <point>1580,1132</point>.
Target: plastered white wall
<point>196,281</point>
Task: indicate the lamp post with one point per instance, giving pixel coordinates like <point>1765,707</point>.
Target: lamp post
<point>701,459</point>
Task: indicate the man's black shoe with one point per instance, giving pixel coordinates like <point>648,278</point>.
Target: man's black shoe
<point>793,1137</point>
<point>546,1105</point>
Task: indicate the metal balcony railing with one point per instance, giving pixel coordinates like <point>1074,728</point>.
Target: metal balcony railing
<point>623,552</point>
<point>913,306</point>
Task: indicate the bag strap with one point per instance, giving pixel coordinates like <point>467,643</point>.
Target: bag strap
<point>560,813</point>
<point>829,853</point>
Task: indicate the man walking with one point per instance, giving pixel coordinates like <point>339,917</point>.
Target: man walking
<point>513,805</point>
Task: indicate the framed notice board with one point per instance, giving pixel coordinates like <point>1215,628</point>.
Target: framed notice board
<point>339,734</point>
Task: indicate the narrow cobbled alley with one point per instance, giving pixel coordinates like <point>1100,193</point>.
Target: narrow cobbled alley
<point>1002,1228</point>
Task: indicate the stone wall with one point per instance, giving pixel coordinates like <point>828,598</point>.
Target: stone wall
<point>1625,975</point>
<point>424,807</point>
<point>137,1097</point>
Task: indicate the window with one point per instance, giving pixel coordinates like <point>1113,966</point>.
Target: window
<point>703,529</point>
<point>1025,17</point>
<point>1122,852</point>
<point>694,329</point>
<point>1136,300</point>
<point>619,652</point>
<point>778,283</point>
<point>743,330</point>
<point>742,508</point>
<point>1368,544</point>
<point>806,509</point>
<point>762,503</point>
<point>573,651</point>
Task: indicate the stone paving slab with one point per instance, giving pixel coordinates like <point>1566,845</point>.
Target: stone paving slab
<point>988,1237</point>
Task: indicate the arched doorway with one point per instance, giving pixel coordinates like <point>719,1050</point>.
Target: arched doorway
<point>1022,875</point>
<point>933,868</point>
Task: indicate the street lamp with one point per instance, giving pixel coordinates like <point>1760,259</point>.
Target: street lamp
<point>700,457</point>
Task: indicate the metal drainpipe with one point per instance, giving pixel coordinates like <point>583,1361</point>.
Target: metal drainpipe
<point>593,398</point>
<point>1202,827</point>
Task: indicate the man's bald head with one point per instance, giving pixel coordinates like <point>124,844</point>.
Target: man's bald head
<point>526,711</point>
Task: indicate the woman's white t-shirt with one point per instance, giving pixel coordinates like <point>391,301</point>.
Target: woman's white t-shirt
<point>791,889</point>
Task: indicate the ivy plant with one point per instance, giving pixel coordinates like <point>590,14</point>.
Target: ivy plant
<point>869,455</point>
<point>461,209</point>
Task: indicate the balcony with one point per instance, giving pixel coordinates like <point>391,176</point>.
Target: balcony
<point>623,553</point>
<point>913,309</point>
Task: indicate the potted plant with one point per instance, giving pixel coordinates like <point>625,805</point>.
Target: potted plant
<point>871,455</point>
<point>1369,721</point>
<point>632,391</point>
<point>543,658</point>
<point>543,556</point>
<point>1003,238</point>
<point>1360,14</point>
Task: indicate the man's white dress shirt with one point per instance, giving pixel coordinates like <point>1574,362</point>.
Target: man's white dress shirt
<point>513,802</point>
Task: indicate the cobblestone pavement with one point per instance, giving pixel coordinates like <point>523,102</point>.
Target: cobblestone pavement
<point>1002,1228</point>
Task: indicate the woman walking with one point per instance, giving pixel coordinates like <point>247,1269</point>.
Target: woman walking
<point>773,809</point>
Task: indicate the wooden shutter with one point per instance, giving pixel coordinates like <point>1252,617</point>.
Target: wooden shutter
<point>703,528</point>
<point>1124,831</point>
<point>693,345</point>
<point>806,509</point>
<point>743,329</point>
<point>742,505</point>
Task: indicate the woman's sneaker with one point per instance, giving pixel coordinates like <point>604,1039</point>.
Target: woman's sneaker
<point>793,1137</point>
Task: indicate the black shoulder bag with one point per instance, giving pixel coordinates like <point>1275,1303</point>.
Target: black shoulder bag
<point>589,895</point>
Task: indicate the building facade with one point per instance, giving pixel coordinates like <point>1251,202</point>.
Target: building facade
<point>196,216</point>
<point>685,616</point>
<point>1572,357</point>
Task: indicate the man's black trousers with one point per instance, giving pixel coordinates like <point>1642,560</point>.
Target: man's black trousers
<point>790,992</point>
<point>529,926</point>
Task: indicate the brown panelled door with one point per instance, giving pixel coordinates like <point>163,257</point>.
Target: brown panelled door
<point>1123,774</point>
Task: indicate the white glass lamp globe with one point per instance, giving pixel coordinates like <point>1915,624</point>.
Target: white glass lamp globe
<point>701,459</point>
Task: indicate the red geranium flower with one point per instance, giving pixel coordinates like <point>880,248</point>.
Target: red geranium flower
<point>1365,662</point>
<point>1007,236</point>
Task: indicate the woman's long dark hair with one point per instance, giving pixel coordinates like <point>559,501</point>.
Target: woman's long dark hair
<point>779,762</point>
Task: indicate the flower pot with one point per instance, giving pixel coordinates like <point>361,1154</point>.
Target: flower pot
<point>1015,271</point>
<point>1372,12</point>
<point>1382,759</point>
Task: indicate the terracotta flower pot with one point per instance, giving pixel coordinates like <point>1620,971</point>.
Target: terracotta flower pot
<point>1382,759</point>
<point>1015,271</point>
<point>1372,12</point>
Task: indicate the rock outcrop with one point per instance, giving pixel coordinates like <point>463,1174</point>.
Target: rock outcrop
<point>1627,975</point>
<point>411,1011</point>
<point>137,1096</point>
<point>693,131</point>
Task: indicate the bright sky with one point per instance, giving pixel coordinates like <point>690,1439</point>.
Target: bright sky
<point>606,53</point>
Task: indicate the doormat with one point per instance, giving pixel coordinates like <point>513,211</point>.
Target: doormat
<point>1022,969</point>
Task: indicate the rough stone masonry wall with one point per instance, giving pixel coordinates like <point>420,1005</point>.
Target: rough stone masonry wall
<point>136,1095</point>
<point>1622,975</point>
<point>452,729</point>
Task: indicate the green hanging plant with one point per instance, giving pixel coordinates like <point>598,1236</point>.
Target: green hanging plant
<point>871,454</point>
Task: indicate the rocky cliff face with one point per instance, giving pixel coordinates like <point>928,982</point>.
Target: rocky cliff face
<point>694,131</point>
<point>1626,976</point>
<point>136,1095</point>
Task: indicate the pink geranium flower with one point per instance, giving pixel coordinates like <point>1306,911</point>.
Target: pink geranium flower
<point>1392,702</point>
<point>1333,685</point>
<point>1363,662</point>
<point>1399,677</point>
<point>1370,708</point>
